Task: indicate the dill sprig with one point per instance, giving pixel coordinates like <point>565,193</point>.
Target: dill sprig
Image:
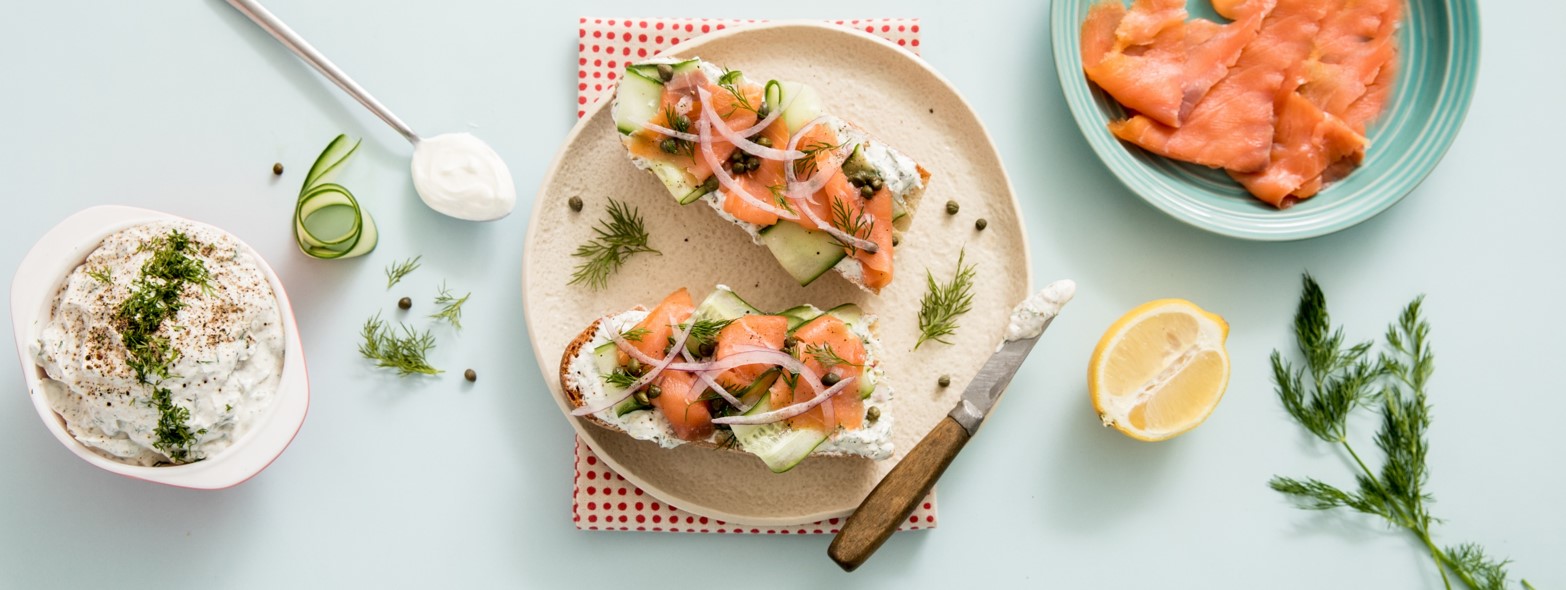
<point>618,238</point>
<point>944,302</point>
<point>828,358</point>
<point>704,332</point>
<point>858,226</point>
<point>1337,379</point>
<point>620,378</point>
<point>730,81</point>
<point>635,334</point>
<point>450,307</point>
<point>406,351</point>
<point>806,165</point>
<point>780,196</point>
<point>102,274</point>
<point>398,270</point>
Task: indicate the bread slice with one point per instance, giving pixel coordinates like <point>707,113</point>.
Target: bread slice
<point>581,384</point>
<point>806,254</point>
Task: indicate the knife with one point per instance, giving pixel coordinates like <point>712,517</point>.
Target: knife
<point>892,500</point>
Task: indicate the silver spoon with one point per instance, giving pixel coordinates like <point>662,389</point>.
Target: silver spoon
<point>460,161</point>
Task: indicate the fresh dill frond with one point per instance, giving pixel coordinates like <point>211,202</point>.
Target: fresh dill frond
<point>1339,378</point>
<point>780,196</point>
<point>730,81</point>
<point>806,165</point>
<point>622,236</point>
<point>174,436</point>
<point>705,332</point>
<point>406,351</point>
<point>858,226</point>
<point>620,378</point>
<point>398,270</point>
<point>635,334</point>
<point>102,274</point>
<point>450,307</point>
<point>944,302</point>
<point>824,354</point>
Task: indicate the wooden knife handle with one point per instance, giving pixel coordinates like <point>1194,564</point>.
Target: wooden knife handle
<point>892,500</point>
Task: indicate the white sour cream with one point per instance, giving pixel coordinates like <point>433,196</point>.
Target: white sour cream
<point>1030,316</point>
<point>459,175</point>
<point>229,339</point>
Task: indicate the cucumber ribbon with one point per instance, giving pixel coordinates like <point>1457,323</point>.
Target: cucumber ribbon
<point>318,197</point>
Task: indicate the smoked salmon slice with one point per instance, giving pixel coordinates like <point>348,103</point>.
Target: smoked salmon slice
<point>826,338</point>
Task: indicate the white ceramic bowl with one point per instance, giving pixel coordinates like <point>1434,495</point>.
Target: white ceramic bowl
<point>38,280</point>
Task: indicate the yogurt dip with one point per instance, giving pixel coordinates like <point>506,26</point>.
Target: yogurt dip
<point>219,347</point>
<point>459,175</point>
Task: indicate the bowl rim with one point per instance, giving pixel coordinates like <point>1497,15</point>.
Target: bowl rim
<point>37,282</point>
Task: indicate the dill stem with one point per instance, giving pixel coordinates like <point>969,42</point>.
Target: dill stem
<point>1442,562</point>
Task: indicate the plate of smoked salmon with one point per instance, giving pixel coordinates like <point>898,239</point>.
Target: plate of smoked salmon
<point>756,357</point>
<point>1268,119</point>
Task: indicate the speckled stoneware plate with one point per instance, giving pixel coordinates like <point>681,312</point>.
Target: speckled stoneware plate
<point>899,99</point>
<point>38,281</point>
<point>1438,65</point>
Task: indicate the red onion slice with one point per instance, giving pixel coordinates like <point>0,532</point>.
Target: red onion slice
<point>705,380</point>
<point>679,342</point>
<point>661,130</point>
<point>739,139</point>
<point>728,183</point>
<point>790,411</point>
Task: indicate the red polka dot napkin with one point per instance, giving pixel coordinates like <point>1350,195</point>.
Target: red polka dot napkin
<point>602,500</point>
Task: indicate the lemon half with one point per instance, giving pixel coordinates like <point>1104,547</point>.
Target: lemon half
<point>1160,369</point>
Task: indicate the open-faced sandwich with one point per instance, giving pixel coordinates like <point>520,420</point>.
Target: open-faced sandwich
<point>818,191</point>
<point>781,386</point>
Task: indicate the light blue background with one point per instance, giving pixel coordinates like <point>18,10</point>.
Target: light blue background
<point>184,106</point>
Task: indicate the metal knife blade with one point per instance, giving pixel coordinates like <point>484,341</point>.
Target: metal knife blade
<point>987,386</point>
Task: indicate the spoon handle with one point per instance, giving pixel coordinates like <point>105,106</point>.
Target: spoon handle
<point>270,23</point>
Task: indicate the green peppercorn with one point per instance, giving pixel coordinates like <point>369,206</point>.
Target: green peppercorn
<point>575,203</point>
<point>944,381</point>
<point>404,303</point>
<point>873,414</point>
<point>665,72</point>
<point>830,379</point>
<point>470,375</point>
<point>951,207</point>
<point>277,169</point>
<point>653,391</point>
<point>981,224</point>
<point>670,146</point>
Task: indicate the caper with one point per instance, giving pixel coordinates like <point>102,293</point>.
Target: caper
<point>670,146</point>
<point>944,381</point>
<point>790,342</point>
<point>764,141</point>
<point>738,157</point>
<point>653,391</point>
<point>951,207</point>
<point>764,111</point>
<point>641,398</point>
<point>866,191</point>
<point>404,303</point>
<point>575,203</point>
<point>830,379</point>
<point>706,349</point>
<point>634,367</point>
<point>981,224</point>
<point>876,182</point>
<point>470,375</point>
<point>683,122</point>
<point>873,414</point>
<point>896,239</point>
<point>277,169</point>
<point>665,72</point>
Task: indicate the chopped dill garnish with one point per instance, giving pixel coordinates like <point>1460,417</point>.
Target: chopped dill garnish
<point>450,307</point>
<point>155,297</point>
<point>175,438</point>
<point>618,238</point>
<point>102,274</point>
<point>943,303</point>
<point>828,358</point>
<point>398,270</point>
<point>858,226</point>
<point>635,334</point>
<point>404,352</point>
<point>1339,378</point>
<point>730,81</point>
<point>620,378</point>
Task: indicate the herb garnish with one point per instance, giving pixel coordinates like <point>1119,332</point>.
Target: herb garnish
<point>102,274</point>
<point>730,81</point>
<point>943,303</point>
<point>155,297</point>
<point>620,378</point>
<point>858,226</point>
<point>682,124</point>
<point>618,238</point>
<point>806,166</point>
<point>828,358</point>
<point>635,334</point>
<point>398,270</point>
<point>1344,377</point>
<point>404,352</point>
<point>450,307</point>
<point>704,332</point>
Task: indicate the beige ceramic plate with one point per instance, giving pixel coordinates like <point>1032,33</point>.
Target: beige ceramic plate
<point>898,99</point>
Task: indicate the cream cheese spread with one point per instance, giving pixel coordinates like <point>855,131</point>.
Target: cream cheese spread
<point>226,343</point>
<point>1029,317</point>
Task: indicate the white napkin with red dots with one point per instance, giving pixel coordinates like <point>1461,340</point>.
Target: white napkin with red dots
<point>602,500</point>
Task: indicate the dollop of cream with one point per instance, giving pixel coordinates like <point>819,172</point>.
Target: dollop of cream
<point>459,175</point>
<point>1030,316</point>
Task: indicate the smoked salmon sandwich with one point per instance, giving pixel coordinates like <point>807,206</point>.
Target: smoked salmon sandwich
<point>817,191</point>
<point>722,374</point>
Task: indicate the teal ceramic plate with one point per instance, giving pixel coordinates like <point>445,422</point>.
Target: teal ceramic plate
<point>1438,63</point>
